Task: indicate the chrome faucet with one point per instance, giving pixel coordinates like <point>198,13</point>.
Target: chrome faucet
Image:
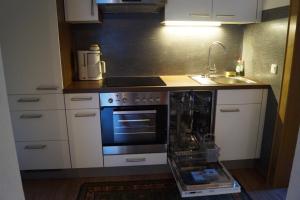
<point>211,66</point>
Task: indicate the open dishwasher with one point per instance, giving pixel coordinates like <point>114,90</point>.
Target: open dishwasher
<point>192,153</point>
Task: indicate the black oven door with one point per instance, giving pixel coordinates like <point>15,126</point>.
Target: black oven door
<point>133,126</point>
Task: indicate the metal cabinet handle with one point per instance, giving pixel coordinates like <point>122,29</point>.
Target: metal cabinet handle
<point>38,146</point>
<point>47,88</point>
<point>28,100</point>
<point>85,115</point>
<point>31,116</point>
<point>135,159</point>
<point>225,15</point>
<point>230,110</point>
<point>199,14</point>
<point>92,8</point>
<point>81,98</point>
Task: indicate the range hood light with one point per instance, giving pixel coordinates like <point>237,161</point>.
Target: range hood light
<point>191,23</point>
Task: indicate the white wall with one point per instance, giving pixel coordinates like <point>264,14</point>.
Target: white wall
<point>268,4</point>
<point>10,181</point>
<point>293,191</point>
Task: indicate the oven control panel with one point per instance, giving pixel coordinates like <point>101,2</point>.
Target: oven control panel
<point>133,98</point>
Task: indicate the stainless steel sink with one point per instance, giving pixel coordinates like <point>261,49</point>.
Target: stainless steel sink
<point>223,80</point>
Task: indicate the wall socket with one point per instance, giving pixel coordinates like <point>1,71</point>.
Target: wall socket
<point>274,69</point>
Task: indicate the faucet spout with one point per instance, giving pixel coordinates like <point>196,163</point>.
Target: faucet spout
<point>211,66</point>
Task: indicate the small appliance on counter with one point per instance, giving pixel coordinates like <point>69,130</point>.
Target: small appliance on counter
<point>90,66</point>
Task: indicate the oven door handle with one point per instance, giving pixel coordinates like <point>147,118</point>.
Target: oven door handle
<point>134,120</point>
<point>134,112</point>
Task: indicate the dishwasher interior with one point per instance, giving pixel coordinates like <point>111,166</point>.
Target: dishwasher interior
<point>193,154</point>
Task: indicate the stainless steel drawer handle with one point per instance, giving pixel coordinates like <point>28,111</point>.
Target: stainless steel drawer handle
<point>135,159</point>
<point>28,100</point>
<point>199,14</point>
<point>31,116</point>
<point>47,88</point>
<point>85,115</point>
<point>81,98</point>
<point>225,15</point>
<point>33,147</point>
<point>230,110</point>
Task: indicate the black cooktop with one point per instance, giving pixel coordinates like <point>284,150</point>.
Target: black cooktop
<point>132,81</point>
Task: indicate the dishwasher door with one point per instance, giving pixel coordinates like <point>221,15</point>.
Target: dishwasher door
<point>192,153</point>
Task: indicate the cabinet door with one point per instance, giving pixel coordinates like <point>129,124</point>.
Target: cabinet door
<point>30,45</point>
<point>85,138</point>
<point>236,130</point>
<point>235,10</point>
<point>188,10</point>
<point>81,11</point>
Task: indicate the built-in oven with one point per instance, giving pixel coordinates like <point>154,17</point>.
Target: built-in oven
<point>134,122</point>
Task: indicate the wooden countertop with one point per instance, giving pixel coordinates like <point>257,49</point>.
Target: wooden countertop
<point>179,82</point>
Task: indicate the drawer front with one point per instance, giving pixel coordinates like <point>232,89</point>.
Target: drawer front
<point>239,96</point>
<point>135,159</point>
<point>39,125</point>
<point>36,102</point>
<point>43,155</point>
<point>82,101</point>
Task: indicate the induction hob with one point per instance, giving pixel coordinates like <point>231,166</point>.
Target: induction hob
<point>132,81</point>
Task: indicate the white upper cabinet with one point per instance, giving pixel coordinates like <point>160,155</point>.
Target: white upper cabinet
<point>30,44</point>
<point>81,11</point>
<point>188,10</point>
<point>226,11</point>
<point>235,10</point>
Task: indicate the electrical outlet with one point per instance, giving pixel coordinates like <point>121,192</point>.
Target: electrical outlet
<point>274,69</point>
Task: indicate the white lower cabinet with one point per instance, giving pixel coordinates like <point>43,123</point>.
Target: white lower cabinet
<point>85,138</point>
<point>237,131</point>
<point>43,155</point>
<point>135,159</point>
<point>239,125</point>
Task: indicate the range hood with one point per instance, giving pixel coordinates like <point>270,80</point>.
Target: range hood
<point>131,6</point>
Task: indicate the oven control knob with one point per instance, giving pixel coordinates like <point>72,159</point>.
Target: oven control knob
<point>151,99</point>
<point>124,100</point>
<point>157,99</point>
<point>144,100</point>
<point>110,100</point>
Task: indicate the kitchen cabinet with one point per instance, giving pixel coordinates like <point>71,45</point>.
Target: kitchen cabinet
<point>239,123</point>
<point>226,11</point>
<point>40,130</point>
<point>30,46</point>
<point>194,10</point>
<point>81,11</point>
<point>235,10</point>
<point>84,131</point>
<point>31,52</point>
